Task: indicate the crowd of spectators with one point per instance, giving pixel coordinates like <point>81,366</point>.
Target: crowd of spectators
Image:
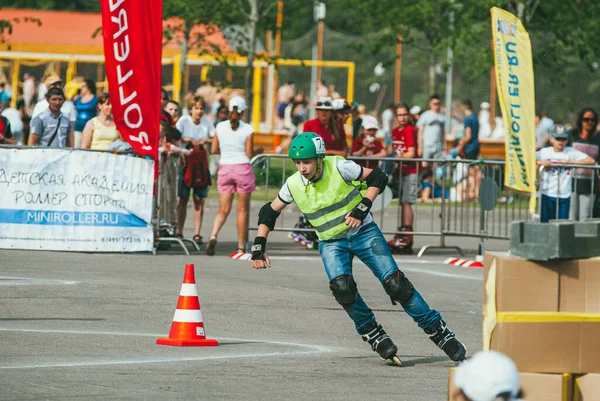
<point>207,130</point>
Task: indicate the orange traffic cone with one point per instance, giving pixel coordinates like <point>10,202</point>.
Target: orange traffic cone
<point>187,329</point>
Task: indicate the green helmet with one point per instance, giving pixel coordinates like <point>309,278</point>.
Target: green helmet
<point>307,146</point>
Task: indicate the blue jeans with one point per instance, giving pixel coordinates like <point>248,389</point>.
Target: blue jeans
<point>549,206</point>
<point>370,246</point>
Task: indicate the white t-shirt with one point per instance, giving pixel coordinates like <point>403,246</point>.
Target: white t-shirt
<point>210,127</point>
<point>14,118</point>
<point>349,170</point>
<point>556,181</point>
<point>232,144</point>
<point>387,121</point>
<point>189,130</point>
<point>67,109</point>
<point>433,128</point>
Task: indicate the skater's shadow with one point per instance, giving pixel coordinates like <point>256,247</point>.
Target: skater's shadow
<point>429,359</point>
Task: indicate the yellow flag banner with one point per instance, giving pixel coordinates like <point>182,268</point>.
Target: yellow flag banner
<point>514,80</point>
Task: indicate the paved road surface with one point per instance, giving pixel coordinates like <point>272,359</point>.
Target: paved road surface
<point>83,326</point>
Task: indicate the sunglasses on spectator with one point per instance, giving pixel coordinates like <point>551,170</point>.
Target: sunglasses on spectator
<point>402,115</point>
<point>436,103</point>
<point>326,104</point>
<point>588,120</point>
<point>561,139</point>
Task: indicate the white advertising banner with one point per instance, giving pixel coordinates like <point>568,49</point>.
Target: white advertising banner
<point>74,200</point>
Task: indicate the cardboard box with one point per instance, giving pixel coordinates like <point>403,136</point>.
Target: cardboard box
<point>587,388</point>
<point>554,286</point>
<point>545,316</point>
<point>535,386</point>
<point>550,347</point>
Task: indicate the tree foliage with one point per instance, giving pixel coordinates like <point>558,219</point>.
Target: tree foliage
<point>564,33</point>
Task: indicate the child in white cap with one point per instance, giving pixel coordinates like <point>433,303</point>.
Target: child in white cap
<point>488,376</point>
<point>368,145</point>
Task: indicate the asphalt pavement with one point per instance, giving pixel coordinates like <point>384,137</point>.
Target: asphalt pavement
<point>84,326</point>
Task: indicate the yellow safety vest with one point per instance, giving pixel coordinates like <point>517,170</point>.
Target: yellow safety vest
<point>326,202</point>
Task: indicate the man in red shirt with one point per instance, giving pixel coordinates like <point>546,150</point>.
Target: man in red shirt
<point>328,128</point>
<point>367,145</point>
<point>404,179</point>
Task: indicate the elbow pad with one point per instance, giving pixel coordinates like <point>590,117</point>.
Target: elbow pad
<point>378,179</point>
<point>268,216</point>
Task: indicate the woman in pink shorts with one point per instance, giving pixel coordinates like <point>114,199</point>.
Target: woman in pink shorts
<point>234,140</point>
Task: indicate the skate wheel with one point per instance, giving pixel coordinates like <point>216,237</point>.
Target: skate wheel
<point>310,246</point>
<point>396,360</point>
<point>290,236</point>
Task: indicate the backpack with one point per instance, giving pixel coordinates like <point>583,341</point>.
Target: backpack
<point>196,173</point>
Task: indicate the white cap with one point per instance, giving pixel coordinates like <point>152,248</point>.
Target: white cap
<point>324,103</point>
<point>415,110</point>
<point>370,122</point>
<point>239,102</point>
<point>484,105</point>
<point>338,104</point>
<point>487,374</point>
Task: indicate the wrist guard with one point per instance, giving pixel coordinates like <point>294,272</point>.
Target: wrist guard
<point>258,249</point>
<point>361,210</point>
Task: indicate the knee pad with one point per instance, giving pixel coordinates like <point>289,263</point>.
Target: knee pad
<point>344,289</point>
<point>398,287</point>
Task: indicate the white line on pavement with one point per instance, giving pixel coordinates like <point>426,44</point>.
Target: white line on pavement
<point>310,349</point>
<point>14,281</point>
<point>157,360</point>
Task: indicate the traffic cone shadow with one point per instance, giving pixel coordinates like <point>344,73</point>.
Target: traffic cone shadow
<point>187,328</point>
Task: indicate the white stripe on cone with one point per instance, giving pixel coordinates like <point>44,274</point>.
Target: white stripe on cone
<point>189,290</point>
<point>463,262</point>
<point>188,316</point>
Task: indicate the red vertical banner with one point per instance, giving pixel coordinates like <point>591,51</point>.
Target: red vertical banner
<point>132,31</point>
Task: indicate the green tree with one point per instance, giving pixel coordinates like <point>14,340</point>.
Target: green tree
<point>189,13</point>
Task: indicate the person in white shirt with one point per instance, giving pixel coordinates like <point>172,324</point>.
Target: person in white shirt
<point>194,135</point>
<point>16,123</point>
<point>431,136</point>
<point>67,109</point>
<point>234,140</point>
<point>556,179</point>
<point>387,122</point>
<point>485,127</point>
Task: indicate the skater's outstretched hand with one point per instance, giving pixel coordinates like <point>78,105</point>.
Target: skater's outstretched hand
<point>260,260</point>
<point>261,263</point>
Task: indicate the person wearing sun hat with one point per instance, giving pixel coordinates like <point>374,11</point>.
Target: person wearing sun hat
<point>488,376</point>
<point>415,112</point>
<point>328,128</point>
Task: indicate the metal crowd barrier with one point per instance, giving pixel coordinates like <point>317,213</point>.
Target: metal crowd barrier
<point>166,204</point>
<point>471,198</point>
